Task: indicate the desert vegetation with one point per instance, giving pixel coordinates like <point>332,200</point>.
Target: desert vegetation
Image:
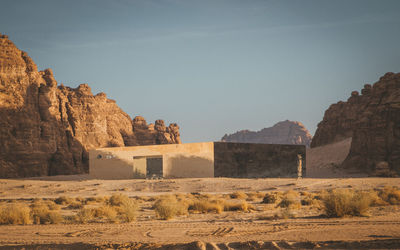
<point>119,208</point>
<point>114,209</point>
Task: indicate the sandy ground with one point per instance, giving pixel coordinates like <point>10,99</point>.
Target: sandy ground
<point>228,230</point>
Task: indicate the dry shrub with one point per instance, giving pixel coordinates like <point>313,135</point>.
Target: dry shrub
<point>151,199</point>
<point>202,196</point>
<point>80,199</point>
<point>308,199</point>
<point>286,213</point>
<point>106,212</point>
<point>75,205</point>
<point>96,199</point>
<point>64,200</point>
<point>128,210</point>
<point>167,207</point>
<point>189,196</point>
<point>206,206</point>
<point>391,195</point>
<point>252,196</point>
<point>118,199</point>
<point>238,195</point>
<point>290,199</point>
<point>346,202</point>
<point>41,214</point>
<point>376,200</point>
<point>52,205</point>
<point>49,203</point>
<point>69,219</point>
<point>84,215</point>
<point>16,214</point>
<point>237,206</point>
<point>270,198</point>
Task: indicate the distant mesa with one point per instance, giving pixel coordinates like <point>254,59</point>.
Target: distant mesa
<point>46,129</point>
<point>285,132</point>
<point>372,120</point>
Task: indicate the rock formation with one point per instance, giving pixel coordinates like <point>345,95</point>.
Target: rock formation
<point>47,129</point>
<point>285,132</point>
<point>372,119</point>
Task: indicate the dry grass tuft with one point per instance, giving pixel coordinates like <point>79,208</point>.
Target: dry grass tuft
<point>270,198</point>
<point>84,215</point>
<point>390,195</point>
<point>346,202</point>
<point>52,205</point>
<point>105,212</point>
<point>16,214</point>
<point>167,207</point>
<point>75,205</point>
<point>308,199</point>
<point>252,196</point>
<point>238,195</point>
<point>64,200</point>
<point>286,213</point>
<point>237,206</point>
<point>118,199</point>
<point>49,203</point>
<point>41,214</point>
<point>128,210</point>
<point>96,199</point>
<point>290,199</point>
<point>376,200</point>
<point>206,206</point>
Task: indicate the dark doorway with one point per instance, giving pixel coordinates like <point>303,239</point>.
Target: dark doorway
<point>154,167</point>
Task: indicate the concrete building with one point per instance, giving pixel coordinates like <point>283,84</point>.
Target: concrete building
<point>196,160</point>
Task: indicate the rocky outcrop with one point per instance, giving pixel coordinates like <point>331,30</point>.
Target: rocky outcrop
<point>372,119</point>
<point>285,132</point>
<point>47,129</point>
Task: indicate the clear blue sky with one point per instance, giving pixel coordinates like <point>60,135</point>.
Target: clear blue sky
<point>216,66</point>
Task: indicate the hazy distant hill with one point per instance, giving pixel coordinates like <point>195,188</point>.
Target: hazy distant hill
<point>285,132</point>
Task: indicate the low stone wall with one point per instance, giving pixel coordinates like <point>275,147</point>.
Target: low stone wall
<point>247,160</point>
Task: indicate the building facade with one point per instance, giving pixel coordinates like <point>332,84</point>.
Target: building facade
<point>198,160</point>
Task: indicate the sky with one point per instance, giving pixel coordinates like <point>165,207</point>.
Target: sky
<point>212,66</point>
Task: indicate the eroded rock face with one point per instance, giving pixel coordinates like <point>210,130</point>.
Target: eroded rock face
<point>285,132</point>
<point>47,129</point>
<point>372,119</point>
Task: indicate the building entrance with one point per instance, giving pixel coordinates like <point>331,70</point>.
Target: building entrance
<point>154,167</point>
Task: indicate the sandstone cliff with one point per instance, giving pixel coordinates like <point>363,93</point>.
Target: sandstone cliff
<point>372,119</point>
<point>47,129</point>
<point>285,132</point>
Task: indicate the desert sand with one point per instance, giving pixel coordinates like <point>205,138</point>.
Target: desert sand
<point>229,230</point>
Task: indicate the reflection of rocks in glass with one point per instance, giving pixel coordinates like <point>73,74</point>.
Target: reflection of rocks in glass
<point>285,132</point>
<point>299,166</point>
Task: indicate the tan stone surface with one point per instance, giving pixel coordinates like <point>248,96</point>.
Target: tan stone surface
<point>285,132</point>
<point>47,130</point>
<point>179,160</point>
